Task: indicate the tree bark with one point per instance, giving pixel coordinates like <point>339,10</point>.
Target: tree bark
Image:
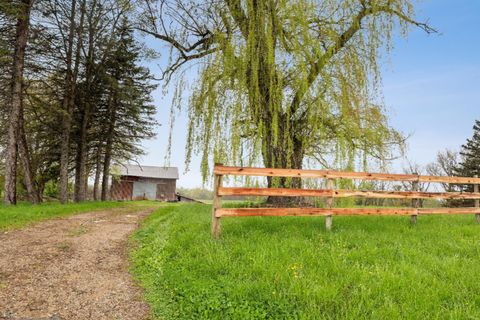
<point>21,38</point>
<point>81,160</point>
<point>281,147</point>
<point>98,173</point>
<point>81,177</point>
<point>24,155</point>
<point>283,156</point>
<point>109,146</point>
<point>66,105</point>
<point>106,171</point>
<point>69,97</point>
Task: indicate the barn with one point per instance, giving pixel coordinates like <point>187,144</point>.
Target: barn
<point>137,182</point>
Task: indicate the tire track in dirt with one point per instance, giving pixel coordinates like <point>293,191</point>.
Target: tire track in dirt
<point>72,268</point>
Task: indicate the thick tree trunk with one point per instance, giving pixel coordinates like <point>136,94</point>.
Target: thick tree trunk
<point>283,156</point>
<point>24,155</point>
<point>10,196</point>
<point>281,147</point>
<point>21,39</point>
<point>81,176</point>
<point>105,196</point>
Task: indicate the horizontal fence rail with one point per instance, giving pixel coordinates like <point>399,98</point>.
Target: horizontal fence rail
<point>332,174</point>
<point>250,212</point>
<point>286,192</point>
<point>330,193</point>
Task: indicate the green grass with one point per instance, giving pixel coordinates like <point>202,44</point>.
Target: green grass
<point>12,217</point>
<point>291,268</point>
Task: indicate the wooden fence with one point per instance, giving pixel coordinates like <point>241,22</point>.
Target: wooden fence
<point>330,193</point>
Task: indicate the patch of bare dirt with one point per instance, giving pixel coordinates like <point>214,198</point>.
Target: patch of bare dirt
<point>73,268</point>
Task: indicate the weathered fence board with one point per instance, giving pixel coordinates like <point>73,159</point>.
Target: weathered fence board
<point>249,212</point>
<point>300,173</point>
<point>286,192</point>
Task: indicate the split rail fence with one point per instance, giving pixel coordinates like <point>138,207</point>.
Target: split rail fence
<point>330,193</point>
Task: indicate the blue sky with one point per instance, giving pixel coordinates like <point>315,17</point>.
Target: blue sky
<point>431,89</point>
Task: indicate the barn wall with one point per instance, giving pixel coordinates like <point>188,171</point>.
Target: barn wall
<point>121,190</point>
<point>138,188</point>
<point>166,190</point>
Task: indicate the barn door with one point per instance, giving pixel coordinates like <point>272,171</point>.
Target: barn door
<point>162,191</point>
<point>143,190</point>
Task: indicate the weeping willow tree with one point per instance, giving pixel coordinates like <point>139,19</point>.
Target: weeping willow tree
<point>283,82</point>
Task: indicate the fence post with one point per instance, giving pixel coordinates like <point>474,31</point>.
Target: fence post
<point>477,201</point>
<point>217,204</point>
<point>415,202</point>
<point>328,218</point>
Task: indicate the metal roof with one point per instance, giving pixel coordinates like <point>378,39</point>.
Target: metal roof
<point>148,171</point>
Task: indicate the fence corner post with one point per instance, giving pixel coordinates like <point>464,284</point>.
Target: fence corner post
<point>415,201</point>
<point>329,218</point>
<point>477,201</point>
<point>217,203</point>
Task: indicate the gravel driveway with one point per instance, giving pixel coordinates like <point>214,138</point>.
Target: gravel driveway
<point>73,268</point>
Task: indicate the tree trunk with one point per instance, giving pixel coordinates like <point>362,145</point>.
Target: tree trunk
<point>24,155</point>
<point>81,160</point>
<point>69,98</point>
<point>281,147</point>
<point>64,159</point>
<point>81,177</point>
<point>87,174</point>
<point>98,173</point>
<point>108,148</point>
<point>21,38</point>
<point>106,172</point>
<point>283,156</point>
<point>105,196</point>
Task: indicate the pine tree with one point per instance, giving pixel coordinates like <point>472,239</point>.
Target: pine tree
<point>84,95</point>
<point>128,112</point>
<point>15,114</point>
<point>470,152</point>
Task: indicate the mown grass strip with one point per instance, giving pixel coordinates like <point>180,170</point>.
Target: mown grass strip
<point>12,217</point>
<point>291,268</point>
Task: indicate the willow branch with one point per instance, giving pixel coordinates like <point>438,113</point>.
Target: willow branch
<point>342,41</point>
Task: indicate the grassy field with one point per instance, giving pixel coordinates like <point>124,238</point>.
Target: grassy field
<point>18,216</point>
<point>291,268</point>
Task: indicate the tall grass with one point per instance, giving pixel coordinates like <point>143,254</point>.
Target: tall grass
<point>291,268</point>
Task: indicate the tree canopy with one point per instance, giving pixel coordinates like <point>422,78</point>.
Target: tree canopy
<point>283,82</point>
<point>74,96</point>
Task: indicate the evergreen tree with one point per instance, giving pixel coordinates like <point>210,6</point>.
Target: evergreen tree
<point>128,113</point>
<point>15,147</point>
<point>470,152</point>
<point>7,32</point>
<point>85,100</point>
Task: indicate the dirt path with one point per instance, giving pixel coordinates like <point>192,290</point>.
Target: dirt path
<point>73,268</point>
